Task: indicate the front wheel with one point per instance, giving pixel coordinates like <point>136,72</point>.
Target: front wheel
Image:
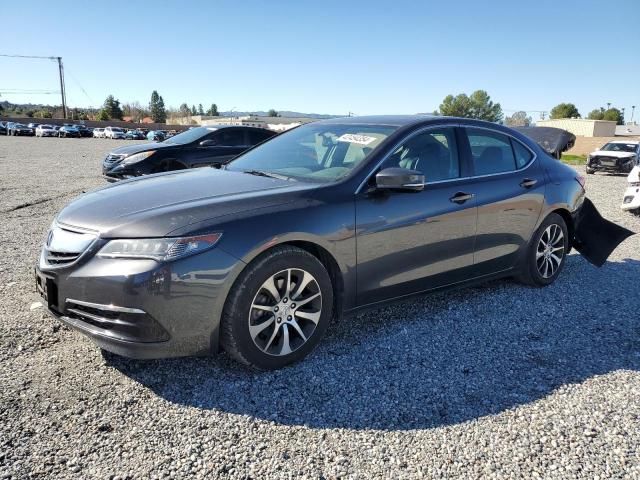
<point>546,253</point>
<point>590,171</point>
<point>278,309</point>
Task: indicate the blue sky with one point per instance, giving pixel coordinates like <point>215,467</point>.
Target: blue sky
<point>329,56</point>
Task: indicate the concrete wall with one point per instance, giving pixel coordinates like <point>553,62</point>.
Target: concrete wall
<point>586,145</point>
<point>582,127</point>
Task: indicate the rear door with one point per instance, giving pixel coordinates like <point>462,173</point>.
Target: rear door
<point>509,186</point>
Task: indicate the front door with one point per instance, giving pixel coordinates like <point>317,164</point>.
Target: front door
<point>227,143</point>
<point>409,242</point>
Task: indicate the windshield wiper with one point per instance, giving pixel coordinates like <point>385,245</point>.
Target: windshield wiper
<point>262,173</point>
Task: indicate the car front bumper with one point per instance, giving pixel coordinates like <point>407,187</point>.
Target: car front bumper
<point>612,165</point>
<point>141,308</point>
<point>631,199</point>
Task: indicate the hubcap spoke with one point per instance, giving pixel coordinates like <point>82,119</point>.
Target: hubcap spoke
<point>295,325</point>
<point>265,308</point>
<point>313,316</point>
<point>307,300</point>
<point>255,330</point>
<point>306,278</point>
<point>286,348</point>
<point>270,286</point>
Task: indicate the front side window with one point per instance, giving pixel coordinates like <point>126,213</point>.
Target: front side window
<point>315,152</point>
<point>434,153</point>
<point>491,152</point>
<point>230,138</point>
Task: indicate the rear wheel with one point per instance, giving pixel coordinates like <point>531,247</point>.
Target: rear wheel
<point>278,309</point>
<point>546,253</point>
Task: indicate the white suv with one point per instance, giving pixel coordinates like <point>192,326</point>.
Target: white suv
<point>114,132</point>
<point>98,133</point>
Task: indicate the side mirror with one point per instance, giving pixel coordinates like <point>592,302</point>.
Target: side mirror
<point>400,179</point>
<point>208,143</point>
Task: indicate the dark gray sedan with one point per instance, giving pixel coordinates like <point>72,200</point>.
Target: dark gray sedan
<point>317,223</point>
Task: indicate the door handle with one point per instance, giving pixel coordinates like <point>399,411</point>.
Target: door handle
<point>528,183</point>
<point>461,197</point>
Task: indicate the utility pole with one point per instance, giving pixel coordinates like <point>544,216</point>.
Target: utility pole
<point>633,109</point>
<point>60,70</point>
<point>62,92</point>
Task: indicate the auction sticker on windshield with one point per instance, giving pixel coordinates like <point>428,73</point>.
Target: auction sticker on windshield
<point>359,139</point>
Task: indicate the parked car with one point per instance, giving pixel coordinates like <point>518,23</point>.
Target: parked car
<point>85,131</point>
<point>321,221</point>
<point>631,198</point>
<point>19,129</point>
<point>134,135</point>
<point>68,130</point>
<point>3,128</point>
<point>156,135</point>
<point>619,156</point>
<point>114,133</point>
<point>98,132</point>
<point>200,147</point>
<point>46,131</point>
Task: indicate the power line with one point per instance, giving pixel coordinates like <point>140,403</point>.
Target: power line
<point>60,71</point>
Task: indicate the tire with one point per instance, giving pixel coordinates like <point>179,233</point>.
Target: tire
<point>540,266</point>
<point>283,322</point>
<point>590,171</point>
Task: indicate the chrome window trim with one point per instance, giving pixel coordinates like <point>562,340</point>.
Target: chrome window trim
<point>108,308</point>
<point>451,180</point>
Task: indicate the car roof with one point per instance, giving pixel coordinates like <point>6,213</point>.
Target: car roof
<point>408,120</point>
<point>627,142</point>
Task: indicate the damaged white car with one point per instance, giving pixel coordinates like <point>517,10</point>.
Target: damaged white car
<point>619,156</point>
<point>631,199</point>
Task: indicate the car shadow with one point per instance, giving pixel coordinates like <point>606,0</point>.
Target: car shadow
<point>439,360</point>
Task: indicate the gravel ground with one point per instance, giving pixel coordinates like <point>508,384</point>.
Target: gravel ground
<point>497,381</point>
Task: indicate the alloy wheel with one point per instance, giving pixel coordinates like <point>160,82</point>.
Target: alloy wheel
<point>285,312</point>
<point>550,251</point>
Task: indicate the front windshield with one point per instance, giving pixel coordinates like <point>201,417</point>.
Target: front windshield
<point>620,147</point>
<point>315,152</point>
<point>190,135</point>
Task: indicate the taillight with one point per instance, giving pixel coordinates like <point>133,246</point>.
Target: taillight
<point>581,180</point>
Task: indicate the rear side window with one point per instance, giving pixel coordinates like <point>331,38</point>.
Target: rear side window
<point>257,136</point>
<point>523,154</point>
<point>491,152</point>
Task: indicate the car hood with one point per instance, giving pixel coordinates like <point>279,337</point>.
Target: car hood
<point>142,147</point>
<point>156,205</point>
<point>608,153</point>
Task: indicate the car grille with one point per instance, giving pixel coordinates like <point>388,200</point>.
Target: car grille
<point>606,160</point>
<point>65,245</point>
<point>112,159</point>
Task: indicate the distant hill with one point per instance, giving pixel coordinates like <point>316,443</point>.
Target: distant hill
<point>282,113</point>
<point>20,109</point>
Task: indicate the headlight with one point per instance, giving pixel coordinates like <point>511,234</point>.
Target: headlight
<point>161,249</point>
<point>138,157</point>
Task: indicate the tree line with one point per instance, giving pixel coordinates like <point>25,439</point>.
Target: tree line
<point>479,105</point>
